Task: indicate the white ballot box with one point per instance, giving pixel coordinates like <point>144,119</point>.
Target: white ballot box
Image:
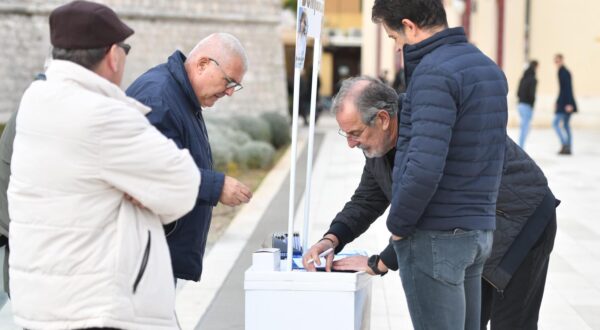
<point>300,300</point>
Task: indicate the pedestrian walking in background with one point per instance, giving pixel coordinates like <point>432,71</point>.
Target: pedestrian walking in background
<point>526,94</point>
<point>565,107</point>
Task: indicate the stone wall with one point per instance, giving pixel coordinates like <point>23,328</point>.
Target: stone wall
<point>161,27</point>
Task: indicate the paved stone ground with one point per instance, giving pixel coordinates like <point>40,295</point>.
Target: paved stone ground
<point>572,298</point>
<point>573,286</point>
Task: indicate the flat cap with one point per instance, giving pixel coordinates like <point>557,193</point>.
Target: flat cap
<point>85,25</point>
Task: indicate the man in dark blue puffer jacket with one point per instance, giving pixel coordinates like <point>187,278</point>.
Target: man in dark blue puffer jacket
<point>448,164</point>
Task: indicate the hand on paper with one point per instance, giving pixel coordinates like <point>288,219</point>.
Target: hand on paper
<point>315,250</point>
<point>357,263</point>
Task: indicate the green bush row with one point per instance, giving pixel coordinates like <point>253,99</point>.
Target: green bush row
<point>246,142</point>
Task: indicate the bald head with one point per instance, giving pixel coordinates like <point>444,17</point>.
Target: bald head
<point>216,67</point>
<point>223,47</point>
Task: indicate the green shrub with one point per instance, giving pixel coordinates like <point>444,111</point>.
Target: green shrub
<point>223,154</point>
<point>255,154</point>
<point>280,129</point>
<point>223,150</point>
<point>257,128</point>
<point>219,120</point>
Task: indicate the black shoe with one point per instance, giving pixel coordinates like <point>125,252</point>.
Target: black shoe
<point>565,150</point>
<point>562,150</point>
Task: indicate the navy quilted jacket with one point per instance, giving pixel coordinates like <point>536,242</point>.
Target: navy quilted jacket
<point>452,136</point>
<point>178,115</point>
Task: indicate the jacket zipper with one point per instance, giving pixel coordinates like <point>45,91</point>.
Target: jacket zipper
<point>144,264</point>
<point>502,213</point>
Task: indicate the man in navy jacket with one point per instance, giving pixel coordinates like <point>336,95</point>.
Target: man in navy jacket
<point>447,166</point>
<point>177,91</point>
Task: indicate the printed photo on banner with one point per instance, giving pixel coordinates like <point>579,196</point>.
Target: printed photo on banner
<point>308,24</point>
<point>301,36</point>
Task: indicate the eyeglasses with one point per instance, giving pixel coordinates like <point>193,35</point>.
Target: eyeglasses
<point>125,47</point>
<point>230,82</point>
<point>356,135</point>
<point>353,136</point>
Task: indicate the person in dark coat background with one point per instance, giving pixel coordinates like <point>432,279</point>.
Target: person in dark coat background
<point>177,92</point>
<point>514,276</point>
<point>565,106</point>
<point>526,94</point>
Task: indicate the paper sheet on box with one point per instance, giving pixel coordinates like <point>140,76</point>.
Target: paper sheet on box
<point>343,254</point>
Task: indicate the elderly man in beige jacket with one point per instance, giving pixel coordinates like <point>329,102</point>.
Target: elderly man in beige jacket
<point>92,184</point>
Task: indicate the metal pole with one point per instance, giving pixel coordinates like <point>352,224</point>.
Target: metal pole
<point>311,139</point>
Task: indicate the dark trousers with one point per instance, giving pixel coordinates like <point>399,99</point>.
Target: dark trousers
<point>518,306</point>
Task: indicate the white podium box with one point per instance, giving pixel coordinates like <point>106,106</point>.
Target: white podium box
<point>301,300</point>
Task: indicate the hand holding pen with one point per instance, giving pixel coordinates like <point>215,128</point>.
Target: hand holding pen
<point>324,248</point>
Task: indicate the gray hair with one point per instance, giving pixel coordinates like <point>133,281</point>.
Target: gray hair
<point>87,58</point>
<point>225,44</point>
<point>369,100</point>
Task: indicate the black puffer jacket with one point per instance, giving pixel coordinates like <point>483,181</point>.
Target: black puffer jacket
<point>524,208</point>
<point>527,86</point>
<point>370,200</point>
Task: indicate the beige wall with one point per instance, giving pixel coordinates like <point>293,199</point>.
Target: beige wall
<point>568,27</point>
<point>557,26</point>
<point>369,46</point>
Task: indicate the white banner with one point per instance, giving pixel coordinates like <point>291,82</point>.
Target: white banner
<point>308,22</point>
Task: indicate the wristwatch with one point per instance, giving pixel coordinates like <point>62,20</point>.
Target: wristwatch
<point>373,262</point>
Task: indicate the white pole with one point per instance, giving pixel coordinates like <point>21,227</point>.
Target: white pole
<point>290,240</point>
<point>311,139</point>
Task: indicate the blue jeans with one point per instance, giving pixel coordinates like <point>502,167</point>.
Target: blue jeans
<point>441,276</point>
<point>565,137</point>
<point>526,112</point>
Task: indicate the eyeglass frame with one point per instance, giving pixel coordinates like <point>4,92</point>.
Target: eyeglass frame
<point>231,83</point>
<point>356,136</point>
<point>124,46</point>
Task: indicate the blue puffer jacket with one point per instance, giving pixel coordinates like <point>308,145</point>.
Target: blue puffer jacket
<point>452,137</point>
<point>178,115</point>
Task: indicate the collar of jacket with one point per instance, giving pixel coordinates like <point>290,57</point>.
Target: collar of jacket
<point>413,54</point>
<point>70,71</point>
<point>175,64</point>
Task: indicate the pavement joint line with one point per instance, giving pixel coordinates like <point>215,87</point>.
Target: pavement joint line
<point>194,298</point>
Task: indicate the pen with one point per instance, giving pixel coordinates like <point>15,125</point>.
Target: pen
<point>323,254</point>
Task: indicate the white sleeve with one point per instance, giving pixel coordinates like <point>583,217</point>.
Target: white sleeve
<point>140,161</point>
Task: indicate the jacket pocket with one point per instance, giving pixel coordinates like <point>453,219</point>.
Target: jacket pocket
<point>144,263</point>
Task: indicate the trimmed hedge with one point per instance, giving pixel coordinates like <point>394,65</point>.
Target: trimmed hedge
<point>246,142</point>
<point>257,128</point>
<point>255,155</point>
<point>280,129</point>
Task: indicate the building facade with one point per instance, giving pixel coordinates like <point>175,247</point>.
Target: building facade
<point>161,26</point>
<point>513,32</point>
